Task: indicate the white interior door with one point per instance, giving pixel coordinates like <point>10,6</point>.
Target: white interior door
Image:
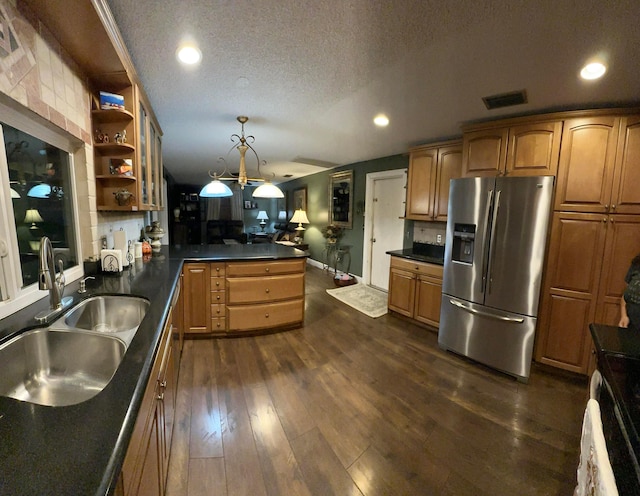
<point>384,227</point>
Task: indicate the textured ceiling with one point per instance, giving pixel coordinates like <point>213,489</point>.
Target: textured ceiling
<point>311,75</point>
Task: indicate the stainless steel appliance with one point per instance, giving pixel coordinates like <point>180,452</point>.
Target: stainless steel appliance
<point>494,254</point>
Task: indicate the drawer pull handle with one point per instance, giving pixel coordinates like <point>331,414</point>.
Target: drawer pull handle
<point>217,283</point>
<point>160,397</point>
<point>218,324</point>
<point>266,315</point>
<point>267,269</point>
<point>267,290</point>
<point>217,297</point>
<point>217,269</point>
<point>163,384</point>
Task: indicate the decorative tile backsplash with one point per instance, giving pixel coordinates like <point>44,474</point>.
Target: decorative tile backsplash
<point>428,232</point>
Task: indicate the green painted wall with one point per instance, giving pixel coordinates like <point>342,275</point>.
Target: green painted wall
<point>318,206</point>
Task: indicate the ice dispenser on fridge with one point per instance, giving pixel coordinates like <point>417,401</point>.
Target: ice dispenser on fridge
<point>463,239</point>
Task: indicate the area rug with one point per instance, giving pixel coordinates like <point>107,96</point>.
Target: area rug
<point>365,299</point>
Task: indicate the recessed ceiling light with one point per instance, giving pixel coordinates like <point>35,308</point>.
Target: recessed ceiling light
<point>593,70</point>
<point>189,54</point>
<point>381,120</point>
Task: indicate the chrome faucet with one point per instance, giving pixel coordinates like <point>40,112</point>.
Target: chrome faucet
<point>48,279</point>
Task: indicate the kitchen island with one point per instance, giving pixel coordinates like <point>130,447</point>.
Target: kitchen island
<point>80,449</point>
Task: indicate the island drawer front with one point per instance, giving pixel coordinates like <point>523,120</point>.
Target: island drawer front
<point>421,268</point>
<point>218,297</point>
<point>217,269</point>
<point>264,289</point>
<point>218,324</point>
<point>217,283</point>
<point>265,268</point>
<point>265,315</point>
<point>218,310</point>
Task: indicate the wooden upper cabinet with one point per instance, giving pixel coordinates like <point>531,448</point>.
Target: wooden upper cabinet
<point>533,149</point>
<point>484,152</point>
<point>421,183</point>
<point>586,169</point>
<point>449,167</point>
<point>625,196</point>
<point>529,149</point>
<point>430,170</point>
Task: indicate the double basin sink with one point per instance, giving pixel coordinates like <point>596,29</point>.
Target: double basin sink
<point>74,358</point>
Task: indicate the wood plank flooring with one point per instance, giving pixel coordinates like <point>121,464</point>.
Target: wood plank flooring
<point>349,405</point>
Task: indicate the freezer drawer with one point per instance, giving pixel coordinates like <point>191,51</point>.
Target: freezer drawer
<point>501,340</point>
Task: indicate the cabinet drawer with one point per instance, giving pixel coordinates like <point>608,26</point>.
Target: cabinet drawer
<point>265,268</point>
<point>217,269</point>
<point>217,310</point>
<point>263,289</point>
<point>217,283</point>
<point>218,297</point>
<point>218,324</point>
<point>421,268</point>
<point>265,315</point>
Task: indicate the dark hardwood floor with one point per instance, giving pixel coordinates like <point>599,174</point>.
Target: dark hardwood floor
<point>349,405</point>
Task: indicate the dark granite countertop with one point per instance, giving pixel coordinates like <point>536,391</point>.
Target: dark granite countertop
<point>618,352</point>
<point>428,255</point>
<point>79,449</point>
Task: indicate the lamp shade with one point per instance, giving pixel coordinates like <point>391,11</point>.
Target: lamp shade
<point>215,189</point>
<point>299,217</point>
<point>31,217</point>
<point>41,190</point>
<point>262,215</point>
<point>268,190</point>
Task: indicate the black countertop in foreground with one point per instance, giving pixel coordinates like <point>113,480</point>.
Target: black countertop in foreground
<point>618,352</point>
<point>79,449</point>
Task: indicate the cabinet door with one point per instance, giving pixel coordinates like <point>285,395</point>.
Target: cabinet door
<point>151,475</point>
<point>621,245</point>
<point>197,302</point>
<point>534,149</point>
<point>585,172</point>
<point>421,184</point>
<point>428,300</point>
<point>449,167</point>
<point>576,251</point>
<point>625,197</point>
<point>402,287</point>
<point>167,401</point>
<point>484,152</point>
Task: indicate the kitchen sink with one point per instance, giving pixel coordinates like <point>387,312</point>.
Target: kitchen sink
<point>74,358</point>
<point>58,367</point>
<point>106,314</point>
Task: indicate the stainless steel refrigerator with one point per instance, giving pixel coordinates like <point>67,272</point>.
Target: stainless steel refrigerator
<point>494,256</point>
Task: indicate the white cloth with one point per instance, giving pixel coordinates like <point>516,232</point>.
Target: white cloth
<point>595,384</point>
<point>595,476</point>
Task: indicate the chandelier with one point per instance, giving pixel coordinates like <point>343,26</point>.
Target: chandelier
<point>217,189</point>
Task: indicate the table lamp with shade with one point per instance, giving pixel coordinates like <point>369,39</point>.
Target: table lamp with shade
<point>299,217</point>
<point>263,218</point>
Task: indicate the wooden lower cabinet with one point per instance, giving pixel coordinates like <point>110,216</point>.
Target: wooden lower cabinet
<point>264,294</point>
<point>415,290</point>
<point>196,289</point>
<point>589,255</point>
<point>144,471</point>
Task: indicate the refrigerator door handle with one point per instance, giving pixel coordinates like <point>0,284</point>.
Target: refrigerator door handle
<point>496,207</point>
<point>483,279</point>
<point>504,318</point>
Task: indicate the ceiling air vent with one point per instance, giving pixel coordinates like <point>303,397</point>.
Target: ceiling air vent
<point>505,99</point>
<point>288,175</point>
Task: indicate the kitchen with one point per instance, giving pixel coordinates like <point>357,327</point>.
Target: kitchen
<point>90,240</point>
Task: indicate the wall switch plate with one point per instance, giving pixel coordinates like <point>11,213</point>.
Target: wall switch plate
<point>439,238</point>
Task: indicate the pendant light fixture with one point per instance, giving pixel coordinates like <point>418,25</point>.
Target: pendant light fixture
<point>243,143</point>
<point>215,189</point>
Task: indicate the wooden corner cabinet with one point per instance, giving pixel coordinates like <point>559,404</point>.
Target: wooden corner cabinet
<point>430,170</point>
<point>127,152</point>
<point>415,290</point>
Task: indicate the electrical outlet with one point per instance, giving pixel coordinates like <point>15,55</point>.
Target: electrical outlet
<point>439,238</point>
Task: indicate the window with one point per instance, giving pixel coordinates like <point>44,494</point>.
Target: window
<point>36,199</point>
